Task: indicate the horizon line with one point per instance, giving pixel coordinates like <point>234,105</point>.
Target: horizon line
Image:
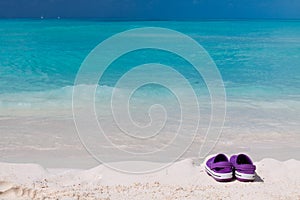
<point>116,19</point>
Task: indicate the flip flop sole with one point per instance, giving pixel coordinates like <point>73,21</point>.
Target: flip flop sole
<point>222,177</point>
<point>244,177</point>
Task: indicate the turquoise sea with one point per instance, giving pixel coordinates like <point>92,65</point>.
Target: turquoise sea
<point>257,59</point>
<point>259,62</point>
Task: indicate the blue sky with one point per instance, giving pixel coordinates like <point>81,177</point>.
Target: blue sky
<point>152,9</point>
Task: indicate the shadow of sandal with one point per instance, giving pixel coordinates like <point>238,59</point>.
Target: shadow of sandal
<point>258,178</point>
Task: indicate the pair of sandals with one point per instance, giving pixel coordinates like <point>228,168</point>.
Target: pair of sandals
<point>239,166</point>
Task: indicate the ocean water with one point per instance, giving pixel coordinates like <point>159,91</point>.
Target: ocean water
<point>259,62</point>
<point>257,59</point>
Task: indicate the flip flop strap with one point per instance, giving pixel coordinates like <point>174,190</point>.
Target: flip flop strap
<point>221,165</point>
<point>246,167</point>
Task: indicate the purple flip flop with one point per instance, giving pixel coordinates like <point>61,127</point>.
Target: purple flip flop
<point>243,167</point>
<point>219,168</point>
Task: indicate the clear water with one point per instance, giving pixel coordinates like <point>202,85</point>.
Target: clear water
<point>259,62</point>
<point>257,59</point>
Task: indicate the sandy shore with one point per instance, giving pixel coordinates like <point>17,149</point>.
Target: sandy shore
<point>182,180</point>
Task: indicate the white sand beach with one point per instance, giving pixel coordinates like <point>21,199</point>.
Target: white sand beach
<point>182,180</point>
<point>64,170</point>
